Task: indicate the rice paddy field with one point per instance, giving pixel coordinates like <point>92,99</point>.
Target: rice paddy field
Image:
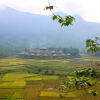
<point>34,79</point>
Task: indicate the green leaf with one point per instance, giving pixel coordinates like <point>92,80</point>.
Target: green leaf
<point>54,17</point>
<point>49,7</point>
<point>92,45</point>
<point>60,20</point>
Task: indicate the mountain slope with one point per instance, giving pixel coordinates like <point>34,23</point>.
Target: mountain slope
<point>20,30</point>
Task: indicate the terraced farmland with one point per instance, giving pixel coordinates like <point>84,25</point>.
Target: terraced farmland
<point>31,79</point>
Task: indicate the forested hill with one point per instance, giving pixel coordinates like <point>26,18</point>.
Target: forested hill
<point>21,29</point>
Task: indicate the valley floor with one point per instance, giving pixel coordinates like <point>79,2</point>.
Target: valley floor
<point>34,79</point>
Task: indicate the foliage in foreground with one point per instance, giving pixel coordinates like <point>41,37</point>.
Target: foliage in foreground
<point>63,21</point>
<point>82,80</point>
<point>93,45</point>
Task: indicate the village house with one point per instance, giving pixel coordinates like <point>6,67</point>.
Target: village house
<point>44,53</point>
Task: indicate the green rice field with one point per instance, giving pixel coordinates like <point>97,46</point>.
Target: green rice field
<point>34,79</point>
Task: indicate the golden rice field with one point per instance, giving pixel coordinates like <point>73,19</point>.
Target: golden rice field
<point>56,94</point>
<point>23,79</point>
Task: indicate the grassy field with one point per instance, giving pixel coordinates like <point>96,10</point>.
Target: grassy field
<point>34,79</point>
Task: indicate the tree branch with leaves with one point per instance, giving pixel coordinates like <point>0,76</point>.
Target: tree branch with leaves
<point>63,21</point>
<point>93,45</point>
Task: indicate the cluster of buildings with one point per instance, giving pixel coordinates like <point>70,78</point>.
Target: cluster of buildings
<point>45,53</point>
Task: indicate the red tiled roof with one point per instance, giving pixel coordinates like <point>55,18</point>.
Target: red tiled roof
<point>32,54</point>
<point>45,55</point>
<point>60,51</point>
<point>38,51</point>
<point>55,55</point>
<point>23,53</point>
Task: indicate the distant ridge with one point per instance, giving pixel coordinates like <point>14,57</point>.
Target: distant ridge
<point>21,30</point>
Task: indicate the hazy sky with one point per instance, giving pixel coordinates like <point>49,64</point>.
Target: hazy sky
<point>88,9</point>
